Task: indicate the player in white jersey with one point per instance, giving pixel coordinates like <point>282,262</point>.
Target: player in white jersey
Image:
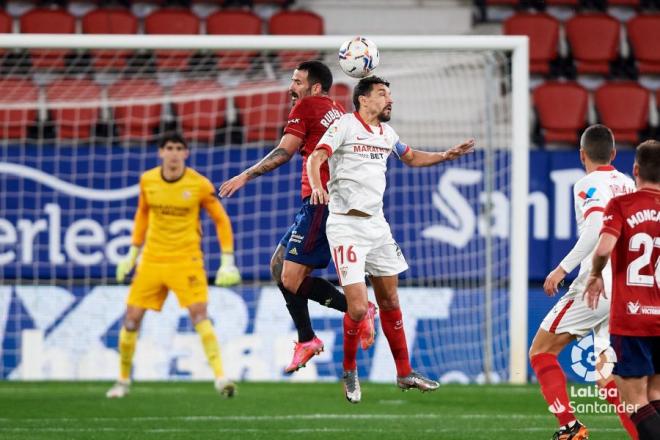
<point>358,145</point>
<point>571,318</point>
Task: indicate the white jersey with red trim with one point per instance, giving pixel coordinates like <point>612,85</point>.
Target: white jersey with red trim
<point>358,161</point>
<point>591,194</point>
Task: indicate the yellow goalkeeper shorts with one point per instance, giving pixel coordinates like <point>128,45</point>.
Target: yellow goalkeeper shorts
<point>152,282</point>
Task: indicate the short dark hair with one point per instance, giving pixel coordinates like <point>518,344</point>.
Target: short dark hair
<point>598,143</point>
<point>176,138</point>
<point>317,73</point>
<point>364,87</point>
<point>647,158</point>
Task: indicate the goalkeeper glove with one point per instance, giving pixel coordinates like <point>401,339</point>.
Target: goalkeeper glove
<point>228,274</point>
<point>125,266</point>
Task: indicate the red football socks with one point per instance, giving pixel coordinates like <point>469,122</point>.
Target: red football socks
<point>351,341</point>
<point>553,386</point>
<point>392,323</point>
<point>613,398</point>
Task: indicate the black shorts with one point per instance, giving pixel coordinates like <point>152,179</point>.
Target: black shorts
<point>305,241</point>
<point>636,356</point>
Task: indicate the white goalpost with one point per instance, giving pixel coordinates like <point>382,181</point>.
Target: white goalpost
<point>76,135</point>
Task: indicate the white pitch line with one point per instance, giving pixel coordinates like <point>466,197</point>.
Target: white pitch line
<point>273,418</point>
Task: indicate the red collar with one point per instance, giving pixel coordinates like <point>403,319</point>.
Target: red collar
<point>367,126</point>
<point>606,168</point>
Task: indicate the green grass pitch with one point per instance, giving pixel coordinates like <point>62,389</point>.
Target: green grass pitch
<point>185,410</point>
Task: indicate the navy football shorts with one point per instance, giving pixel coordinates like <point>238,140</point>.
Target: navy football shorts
<point>305,241</point>
<point>636,356</point>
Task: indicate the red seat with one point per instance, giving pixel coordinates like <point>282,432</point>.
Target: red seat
<point>76,120</point>
<point>48,21</point>
<point>234,22</point>
<point>109,21</point>
<point>543,32</point>
<point>343,95</point>
<point>562,110</point>
<point>624,107</point>
<point>263,113</point>
<point>594,41</point>
<point>644,37</point>
<point>626,3</point>
<point>5,27</point>
<point>295,23</point>
<point>201,107</point>
<point>136,121</point>
<point>172,22</point>
<point>14,122</point>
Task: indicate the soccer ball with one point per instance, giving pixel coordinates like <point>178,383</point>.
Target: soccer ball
<point>358,57</point>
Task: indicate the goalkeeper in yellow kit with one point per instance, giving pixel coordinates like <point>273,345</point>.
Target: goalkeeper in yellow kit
<point>167,224</point>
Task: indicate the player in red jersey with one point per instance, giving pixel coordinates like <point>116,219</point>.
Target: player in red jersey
<point>304,247</point>
<point>631,235</point>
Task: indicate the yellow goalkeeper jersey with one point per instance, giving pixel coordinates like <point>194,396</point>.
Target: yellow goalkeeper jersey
<point>167,220</point>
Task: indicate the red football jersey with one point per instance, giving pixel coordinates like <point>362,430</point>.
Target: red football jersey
<point>635,219</point>
<point>308,120</point>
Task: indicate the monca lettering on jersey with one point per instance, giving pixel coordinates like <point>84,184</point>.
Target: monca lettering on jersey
<point>53,229</point>
<point>645,215</point>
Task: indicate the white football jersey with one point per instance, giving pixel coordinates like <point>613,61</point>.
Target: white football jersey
<point>358,162</point>
<point>590,194</point>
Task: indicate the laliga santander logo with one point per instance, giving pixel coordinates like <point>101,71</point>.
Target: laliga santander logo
<point>584,359</point>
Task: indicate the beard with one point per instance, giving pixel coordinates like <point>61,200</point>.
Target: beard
<point>384,117</point>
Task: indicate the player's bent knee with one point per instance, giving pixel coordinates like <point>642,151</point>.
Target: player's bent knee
<point>358,312</point>
<point>388,304</point>
<point>131,325</point>
<point>291,282</point>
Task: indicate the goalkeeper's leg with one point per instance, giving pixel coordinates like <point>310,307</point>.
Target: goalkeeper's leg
<point>127,342</point>
<point>204,328</point>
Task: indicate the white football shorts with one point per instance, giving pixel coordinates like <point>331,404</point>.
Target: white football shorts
<point>363,245</point>
<point>571,315</point>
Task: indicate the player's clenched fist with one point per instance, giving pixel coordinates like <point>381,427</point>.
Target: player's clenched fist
<point>125,266</point>
<point>319,197</point>
<point>228,274</point>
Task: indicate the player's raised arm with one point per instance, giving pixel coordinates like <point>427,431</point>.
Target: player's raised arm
<point>280,155</point>
<point>141,221</point>
<point>227,274</point>
<point>417,158</point>
<point>319,195</point>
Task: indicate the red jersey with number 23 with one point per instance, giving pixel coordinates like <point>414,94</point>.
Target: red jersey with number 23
<point>635,219</point>
<point>309,119</point>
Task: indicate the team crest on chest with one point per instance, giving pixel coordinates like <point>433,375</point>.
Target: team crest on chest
<point>186,195</point>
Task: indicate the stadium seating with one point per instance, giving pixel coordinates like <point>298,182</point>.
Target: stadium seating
<point>262,113</point>
<point>200,119</point>
<point>139,120</point>
<point>295,23</point>
<point>624,107</point>
<point>15,122</point>
<point>74,122</point>
<point>5,27</point>
<point>48,21</point>
<point>594,42</point>
<point>562,110</point>
<point>172,22</point>
<point>644,37</point>
<point>234,22</point>
<point>343,95</point>
<point>543,32</point>
<point>109,21</point>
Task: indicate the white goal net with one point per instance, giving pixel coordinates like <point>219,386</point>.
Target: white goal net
<point>80,118</point>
